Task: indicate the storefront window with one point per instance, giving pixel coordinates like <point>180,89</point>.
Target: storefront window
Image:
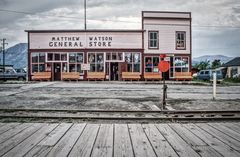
<point>64,57</point>
<point>64,67</point>
<point>75,61</point>
<point>114,56</point>
<point>133,61</point>
<point>38,62</point>
<point>181,64</point>
<point>72,58</point>
<point>57,57</point>
<point>151,64</point>
<point>35,57</point>
<point>96,61</point>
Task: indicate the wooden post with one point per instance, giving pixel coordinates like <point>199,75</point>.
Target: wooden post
<point>214,85</point>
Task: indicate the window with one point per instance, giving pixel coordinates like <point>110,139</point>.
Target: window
<point>96,61</point>
<point>56,56</point>
<point>151,64</point>
<point>153,39</point>
<point>38,62</point>
<point>75,61</point>
<point>114,56</point>
<point>133,61</point>
<point>181,64</point>
<point>180,40</point>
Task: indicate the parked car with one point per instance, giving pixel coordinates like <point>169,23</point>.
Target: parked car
<point>207,75</point>
<point>20,70</point>
<point>11,74</point>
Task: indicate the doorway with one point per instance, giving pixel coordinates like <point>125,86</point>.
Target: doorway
<point>57,71</point>
<point>114,72</point>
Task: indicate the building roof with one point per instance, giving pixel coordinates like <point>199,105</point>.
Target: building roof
<point>233,62</point>
<point>88,30</point>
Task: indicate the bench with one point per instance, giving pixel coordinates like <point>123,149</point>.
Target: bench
<point>183,76</point>
<point>130,76</point>
<point>152,76</point>
<point>41,76</point>
<point>96,76</point>
<point>70,76</point>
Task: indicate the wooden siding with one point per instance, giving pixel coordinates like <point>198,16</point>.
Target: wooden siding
<point>120,40</point>
<point>167,35</point>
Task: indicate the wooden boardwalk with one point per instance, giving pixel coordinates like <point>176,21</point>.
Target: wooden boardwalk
<point>120,140</point>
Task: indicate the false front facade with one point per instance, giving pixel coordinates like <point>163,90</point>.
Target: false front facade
<point>112,54</point>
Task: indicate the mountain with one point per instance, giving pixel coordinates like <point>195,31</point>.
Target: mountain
<point>16,55</point>
<point>211,58</point>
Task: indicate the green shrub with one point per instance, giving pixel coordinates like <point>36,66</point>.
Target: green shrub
<point>232,80</point>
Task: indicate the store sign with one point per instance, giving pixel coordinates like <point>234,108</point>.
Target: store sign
<point>93,41</point>
<point>79,40</point>
<point>85,66</point>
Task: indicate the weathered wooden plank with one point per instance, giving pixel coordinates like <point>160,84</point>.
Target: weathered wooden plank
<point>55,135</point>
<point>2,124</point>
<point>140,143</point>
<point>13,131</point>
<point>226,130</point>
<point>84,145</point>
<point>122,142</point>
<point>178,144</point>
<point>12,142</point>
<point>187,135</point>
<point>103,146</point>
<point>64,146</point>
<point>31,141</point>
<point>207,151</point>
<point>159,143</point>
<point>43,147</point>
<point>221,136</point>
<point>232,126</point>
<point>7,127</point>
<point>197,144</point>
<point>218,145</point>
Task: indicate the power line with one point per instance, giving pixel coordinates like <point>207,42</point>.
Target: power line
<point>108,20</point>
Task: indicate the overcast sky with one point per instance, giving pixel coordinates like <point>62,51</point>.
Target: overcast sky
<point>216,23</point>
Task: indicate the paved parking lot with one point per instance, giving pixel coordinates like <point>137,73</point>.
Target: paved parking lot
<point>116,95</point>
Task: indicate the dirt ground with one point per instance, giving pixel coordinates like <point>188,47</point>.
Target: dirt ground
<point>116,96</point>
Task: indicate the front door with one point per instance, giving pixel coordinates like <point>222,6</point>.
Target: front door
<point>114,72</point>
<point>57,71</point>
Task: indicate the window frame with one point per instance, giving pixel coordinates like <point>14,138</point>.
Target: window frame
<point>38,63</point>
<point>181,64</point>
<point>76,63</point>
<point>152,67</point>
<point>95,61</point>
<point>132,61</point>
<point>149,40</point>
<point>176,40</point>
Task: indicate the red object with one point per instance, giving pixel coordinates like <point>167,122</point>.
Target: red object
<point>162,56</point>
<point>163,66</point>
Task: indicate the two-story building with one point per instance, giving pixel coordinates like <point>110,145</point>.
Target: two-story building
<point>112,54</point>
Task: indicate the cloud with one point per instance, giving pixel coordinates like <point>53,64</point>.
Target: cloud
<point>124,14</point>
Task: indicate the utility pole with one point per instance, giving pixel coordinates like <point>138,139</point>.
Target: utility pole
<point>85,15</point>
<point>3,51</point>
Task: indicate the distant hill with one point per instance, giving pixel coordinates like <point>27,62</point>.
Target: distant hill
<point>211,58</point>
<point>16,56</point>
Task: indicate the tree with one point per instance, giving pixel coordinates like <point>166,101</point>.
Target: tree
<point>216,63</point>
<point>202,65</point>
